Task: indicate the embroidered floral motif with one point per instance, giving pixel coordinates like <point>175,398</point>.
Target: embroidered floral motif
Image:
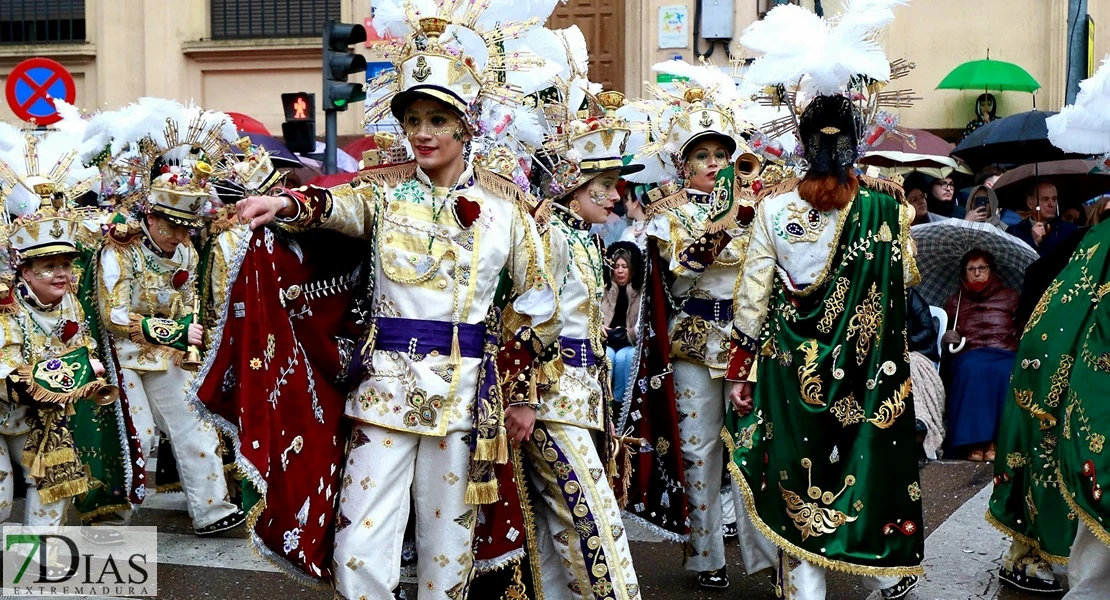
<point>801,224</point>
<point>425,410</point>
<point>848,411</point>
<point>866,323</point>
<point>915,491</point>
<point>807,375</point>
<point>834,305</point>
<point>1015,460</point>
<point>891,409</point>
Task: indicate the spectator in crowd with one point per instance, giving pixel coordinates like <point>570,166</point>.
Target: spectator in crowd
<point>637,220</point>
<point>982,207</point>
<point>620,309</point>
<point>1101,210</point>
<point>1043,229</point>
<point>982,343</point>
<point>1075,215</point>
<point>928,388</point>
<point>986,110</point>
<point>917,187</point>
<point>988,175</point>
<point>942,198</point>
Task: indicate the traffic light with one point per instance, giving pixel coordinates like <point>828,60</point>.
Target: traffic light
<point>299,128</point>
<point>339,62</point>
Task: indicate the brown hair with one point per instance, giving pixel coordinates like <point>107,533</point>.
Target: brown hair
<point>977,253</point>
<point>826,192</point>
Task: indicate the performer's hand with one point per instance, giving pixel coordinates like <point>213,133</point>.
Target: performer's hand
<point>97,366</point>
<point>519,422</point>
<point>260,210</point>
<point>741,397</point>
<point>195,335</point>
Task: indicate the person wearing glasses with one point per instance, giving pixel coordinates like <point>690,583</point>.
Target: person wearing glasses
<point>941,199</point>
<point>980,350</point>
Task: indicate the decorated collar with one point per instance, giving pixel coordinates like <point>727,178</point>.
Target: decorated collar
<point>466,179</point>
<point>28,296</point>
<point>697,195</point>
<point>570,219</point>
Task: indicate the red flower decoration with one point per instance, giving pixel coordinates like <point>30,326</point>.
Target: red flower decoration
<point>180,278</point>
<point>744,214</point>
<point>466,211</point>
<point>757,186</point>
<point>69,329</point>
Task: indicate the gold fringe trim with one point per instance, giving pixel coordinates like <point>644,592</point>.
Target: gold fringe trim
<point>168,488</point>
<point>44,395</point>
<point>481,493</point>
<point>551,372</point>
<point>63,490</point>
<point>392,175</point>
<point>542,215</point>
<point>496,449</point>
<point>1052,558</point>
<point>795,551</point>
<point>783,187</point>
<point>49,459</point>
<point>504,188</point>
<point>135,333</point>
<point>673,201</point>
<point>884,186</point>
<point>1091,523</point>
<point>223,222</point>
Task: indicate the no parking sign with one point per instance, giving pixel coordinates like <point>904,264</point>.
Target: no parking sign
<point>33,84</point>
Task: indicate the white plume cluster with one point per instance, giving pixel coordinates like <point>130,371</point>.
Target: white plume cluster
<point>56,158</point>
<point>798,49</point>
<point>1085,126</point>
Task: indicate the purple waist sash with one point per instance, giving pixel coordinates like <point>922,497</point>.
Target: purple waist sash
<point>577,352</point>
<point>711,310</point>
<point>417,336</point>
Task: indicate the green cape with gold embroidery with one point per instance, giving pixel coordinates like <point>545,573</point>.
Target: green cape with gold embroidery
<point>1055,422</point>
<point>827,460</point>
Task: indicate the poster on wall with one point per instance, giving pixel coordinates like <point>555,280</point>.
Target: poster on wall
<point>674,26</point>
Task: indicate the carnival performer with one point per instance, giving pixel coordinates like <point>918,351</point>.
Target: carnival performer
<point>428,419</point>
<point>48,353</point>
<point>702,243</point>
<point>1047,496</point>
<point>821,308</point>
<point>562,460</point>
<point>148,293</point>
<point>47,170</point>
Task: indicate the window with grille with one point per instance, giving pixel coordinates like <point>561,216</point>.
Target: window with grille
<point>42,21</point>
<point>240,19</point>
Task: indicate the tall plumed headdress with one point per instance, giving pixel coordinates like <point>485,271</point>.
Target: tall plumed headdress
<point>704,101</point>
<point>166,153</point>
<point>452,51</point>
<point>1085,126</point>
<point>806,61</point>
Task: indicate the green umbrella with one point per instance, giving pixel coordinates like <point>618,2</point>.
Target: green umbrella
<point>989,75</point>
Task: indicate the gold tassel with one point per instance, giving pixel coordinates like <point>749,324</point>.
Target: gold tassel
<point>484,492</point>
<point>495,449</point>
<point>38,470</point>
<point>456,353</point>
<point>551,371</point>
<point>39,461</point>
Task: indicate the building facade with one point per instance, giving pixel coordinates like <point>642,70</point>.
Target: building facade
<point>239,55</point>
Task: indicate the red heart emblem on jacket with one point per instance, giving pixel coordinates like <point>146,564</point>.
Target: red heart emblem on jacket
<point>466,211</point>
<point>180,278</point>
<point>744,214</point>
<point>69,329</point>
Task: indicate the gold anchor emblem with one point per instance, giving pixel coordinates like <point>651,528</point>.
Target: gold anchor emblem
<point>705,121</point>
<point>422,71</point>
<point>56,231</point>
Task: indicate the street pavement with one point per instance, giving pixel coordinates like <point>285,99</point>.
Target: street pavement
<point>961,554</point>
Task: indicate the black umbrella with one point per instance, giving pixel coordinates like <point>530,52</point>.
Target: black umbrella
<point>1013,140</point>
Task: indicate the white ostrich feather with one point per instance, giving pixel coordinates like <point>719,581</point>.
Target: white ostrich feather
<point>390,19</point>
<point>10,137</point>
<point>719,84</point>
<point>869,14</point>
<point>1075,129</point>
<point>1094,92</point>
<point>576,48</point>
<point>515,11</point>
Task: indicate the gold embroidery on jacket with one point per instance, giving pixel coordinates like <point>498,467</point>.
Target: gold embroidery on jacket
<point>866,323</point>
<point>807,377</point>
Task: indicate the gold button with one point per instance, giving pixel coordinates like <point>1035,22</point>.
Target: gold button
<point>442,283</point>
<point>389,237</point>
<point>390,270</point>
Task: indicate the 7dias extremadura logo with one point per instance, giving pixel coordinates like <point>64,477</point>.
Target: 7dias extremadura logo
<point>59,561</point>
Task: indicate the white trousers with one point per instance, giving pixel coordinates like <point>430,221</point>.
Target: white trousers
<point>701,398</point>
<point>157,399</point>
<point>584,549</point>
<point>35,513</point>
<point>1088,567</point>
<point>385,470</point>
<point>801,580</point>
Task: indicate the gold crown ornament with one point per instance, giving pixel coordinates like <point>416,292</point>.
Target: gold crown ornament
<point>455,56</point>
<point>589,146</point>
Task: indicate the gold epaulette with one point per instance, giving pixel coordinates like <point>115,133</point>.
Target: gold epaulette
<point>123,234</point>
<point>226,218</point>
<point>505,188</point>
<point>390,175</point>
<point>666,203</point>
<point>542,215</point>
<point>883,186</point>
<point>783,187</point>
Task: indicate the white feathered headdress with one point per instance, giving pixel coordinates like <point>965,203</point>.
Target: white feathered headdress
<point>1084,127</point>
